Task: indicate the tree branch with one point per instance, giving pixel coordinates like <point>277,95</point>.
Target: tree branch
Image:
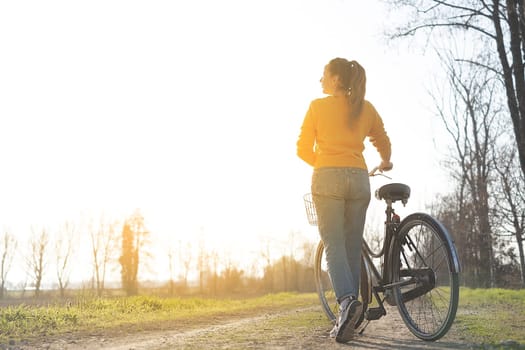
<point>475,63</point>
<point>413,30</point>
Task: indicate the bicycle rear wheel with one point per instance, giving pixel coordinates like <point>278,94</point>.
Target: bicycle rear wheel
<point>326,292</point>
<point>425,269</point>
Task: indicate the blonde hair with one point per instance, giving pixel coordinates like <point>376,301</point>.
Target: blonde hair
<point>352,79</point>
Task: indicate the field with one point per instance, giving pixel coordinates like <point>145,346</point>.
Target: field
<point>487,319</point>
<point>492,316</point>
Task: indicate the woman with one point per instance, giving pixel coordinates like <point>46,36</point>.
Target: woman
<point>332,141</point>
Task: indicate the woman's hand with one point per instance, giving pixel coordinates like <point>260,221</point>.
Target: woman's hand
<point>385,166</point>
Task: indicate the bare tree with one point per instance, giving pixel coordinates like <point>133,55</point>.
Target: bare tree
<point>213,258</point>
<point>185,260</point>
<point>64,245</point>
<point>231,276</point>
<point>471,122</point>
<point>22,285</point>
<point>510,203</point>
<point>9,244</point>
<point>269,275</point>
<point>171,270</point>
<point>202,262</point>
<point>103,243</point>
<point>294,266</point>
<point>308,249</point>
<point>284,268</point>
<point>36,260</point>
<point>499,26</point>
<point>307,261</point>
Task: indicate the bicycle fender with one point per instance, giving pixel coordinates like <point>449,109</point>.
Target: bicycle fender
<point>455,267</point>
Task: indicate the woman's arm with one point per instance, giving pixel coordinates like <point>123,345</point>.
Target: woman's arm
<point>306,141</point>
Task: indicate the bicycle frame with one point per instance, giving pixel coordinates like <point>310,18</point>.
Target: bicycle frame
<point>383,278</point>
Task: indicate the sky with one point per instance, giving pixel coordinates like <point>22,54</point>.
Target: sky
<point>190,111</point>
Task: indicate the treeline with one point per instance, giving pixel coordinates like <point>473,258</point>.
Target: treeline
<point>284,275</point>
<point>125,248</point>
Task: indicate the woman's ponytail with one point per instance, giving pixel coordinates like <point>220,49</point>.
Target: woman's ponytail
<point>352,80</point>
<point>357,88</point>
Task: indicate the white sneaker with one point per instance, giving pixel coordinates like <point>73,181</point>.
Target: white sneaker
<point>350,311</point>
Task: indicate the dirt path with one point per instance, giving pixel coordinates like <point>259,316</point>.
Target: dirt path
<point>304,328</point>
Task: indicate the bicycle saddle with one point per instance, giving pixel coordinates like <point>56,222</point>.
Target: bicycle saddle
<point>394,192</point>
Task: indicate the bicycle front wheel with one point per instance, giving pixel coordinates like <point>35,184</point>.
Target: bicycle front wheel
<point>425,271</point>
<point>326,292</point>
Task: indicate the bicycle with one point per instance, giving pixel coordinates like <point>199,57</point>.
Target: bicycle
<point>419,270</point>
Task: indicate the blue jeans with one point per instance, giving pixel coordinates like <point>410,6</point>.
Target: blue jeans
<point>341,197</point>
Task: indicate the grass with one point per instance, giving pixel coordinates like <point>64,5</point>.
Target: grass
<point>493,318</point>
<point>24,322</point>
<point>490,318</point>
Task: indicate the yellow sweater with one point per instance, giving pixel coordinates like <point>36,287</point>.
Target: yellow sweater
<point>327,140</point>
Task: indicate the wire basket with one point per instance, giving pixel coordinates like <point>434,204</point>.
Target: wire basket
<point>311,214</point>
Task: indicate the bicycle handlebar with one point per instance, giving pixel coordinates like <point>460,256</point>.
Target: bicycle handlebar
<point>378,172</point>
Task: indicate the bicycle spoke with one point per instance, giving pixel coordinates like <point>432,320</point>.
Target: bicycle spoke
<point>444,299</point>
<point>414,248</point>
<point>433,252</point>
<point>443,261</point>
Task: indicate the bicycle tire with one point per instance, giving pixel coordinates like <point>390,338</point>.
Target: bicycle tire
<point>424,258</point>
<point>326,292</point>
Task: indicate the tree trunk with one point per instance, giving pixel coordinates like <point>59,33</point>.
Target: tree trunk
<point>513,77</point>
<point>519,238</point>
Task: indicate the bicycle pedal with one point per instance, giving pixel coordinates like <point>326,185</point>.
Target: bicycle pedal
<point>375,313</point>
